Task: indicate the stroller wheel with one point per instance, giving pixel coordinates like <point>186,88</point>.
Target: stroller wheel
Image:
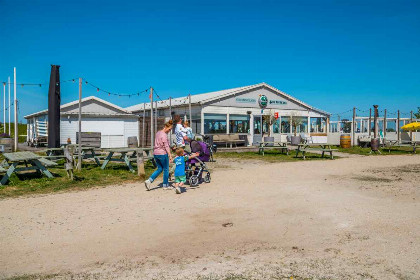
<point>194,180</point>
<point>207,178</point>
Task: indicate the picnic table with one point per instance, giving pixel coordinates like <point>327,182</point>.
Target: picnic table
<point>58,153</point>
<point>126,155</point>
<point>282,146</point>
<point>308,147</point>
<point>12,162</point>
<point>395,143</point>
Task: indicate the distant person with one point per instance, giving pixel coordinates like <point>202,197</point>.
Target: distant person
<point>162,156</point>
<point>179,161</point>
<point>180,132</point>
<point>188,131</point>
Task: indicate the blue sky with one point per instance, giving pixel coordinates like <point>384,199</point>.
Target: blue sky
<point>331,54</point>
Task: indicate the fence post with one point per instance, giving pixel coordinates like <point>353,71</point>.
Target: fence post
<point>398,126</point>
<point>384,123</point>
<point>140,165</point>
<point>354,127</point>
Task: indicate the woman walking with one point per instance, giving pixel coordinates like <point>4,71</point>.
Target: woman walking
<point>162,155</point>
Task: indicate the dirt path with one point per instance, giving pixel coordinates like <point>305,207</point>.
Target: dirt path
<point>352,218</point>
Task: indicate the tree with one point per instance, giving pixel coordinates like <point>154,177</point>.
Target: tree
<point>269,119</point>
<point>296,121</point>
<point>417,115</point>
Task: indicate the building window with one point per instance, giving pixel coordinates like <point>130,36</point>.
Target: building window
<point>276,126</point>
<point>257,125</point>
<point>285,124</point>
<point>239,123</point>
<point>214,123</point>
<point>301,125</point>
<point>318,125</point>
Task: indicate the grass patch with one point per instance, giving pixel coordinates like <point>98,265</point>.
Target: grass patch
<point>270,156</point>
<point>90,176</point>
<point>366,151</point>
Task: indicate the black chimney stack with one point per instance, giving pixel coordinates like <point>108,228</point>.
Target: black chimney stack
<point>54,108</point>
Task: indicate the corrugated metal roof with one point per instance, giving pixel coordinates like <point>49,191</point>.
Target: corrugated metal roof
<point>43,112</point>
<point>211,96</point>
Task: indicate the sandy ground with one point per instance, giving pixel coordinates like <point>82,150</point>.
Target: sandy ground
<point>352,218</point>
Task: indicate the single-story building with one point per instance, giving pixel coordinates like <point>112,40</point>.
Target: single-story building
<point>113,122</point>
<point>241,110</point>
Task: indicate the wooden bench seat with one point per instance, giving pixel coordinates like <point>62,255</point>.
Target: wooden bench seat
<point>46,162</point>
<point>323,150</point>
<point>228,139</point>
<point>2,170</point>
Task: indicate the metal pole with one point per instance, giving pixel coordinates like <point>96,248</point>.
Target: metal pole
<point>338,124</point>
<point>156,116</point>
<point>170,116</point>
<point>370,122</point>
<point>9,108</point>
<point>375,121</point>
<point>398,126</point>
<point>79,160</point>
<point>189,108</point>
<point>353,130</point>
<point>16,112</point>
<point>152,142</point>
<point>142,128</point>
<point>384,123</point>
<point>170,107</point>
<point>411,120</point>
<point>4,107</point>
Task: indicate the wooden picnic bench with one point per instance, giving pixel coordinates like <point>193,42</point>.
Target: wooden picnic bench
<point>58,153</point>
<point>395,143</point>
<point>308,147</point>
<point>12,162</point>
<point>126,155</point>
<point>282,146</point>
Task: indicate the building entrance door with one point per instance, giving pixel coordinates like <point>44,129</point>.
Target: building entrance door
<point>261,128</point>
<point>257,129</point>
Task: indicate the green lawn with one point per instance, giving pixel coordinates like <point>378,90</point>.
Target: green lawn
<point>270,156</point>
<point>21,129</point>
<point>366,151</point>
<point>90,176</point>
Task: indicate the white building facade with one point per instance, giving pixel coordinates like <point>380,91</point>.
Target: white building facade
<point>113,122</point>
<point>241,110</point>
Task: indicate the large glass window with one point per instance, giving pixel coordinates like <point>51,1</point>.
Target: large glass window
<point>276,126</point>
<point>239,123</point>
<point>214,123</point>
<point>285,124</point>
<point>301,124</point>
<point>319,125</point>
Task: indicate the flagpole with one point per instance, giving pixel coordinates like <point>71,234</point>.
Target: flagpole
<point>16,112</point>
<point>4,107</point>
<point>10,121</point>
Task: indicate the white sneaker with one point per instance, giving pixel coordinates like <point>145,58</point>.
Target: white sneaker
<point>177,190</point>
<point>147,184</point>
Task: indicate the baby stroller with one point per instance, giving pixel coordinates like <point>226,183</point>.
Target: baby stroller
<point>195,168</point>
<point>210,146</point>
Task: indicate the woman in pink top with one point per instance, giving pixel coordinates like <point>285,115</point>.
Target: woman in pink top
<point>162,155</point>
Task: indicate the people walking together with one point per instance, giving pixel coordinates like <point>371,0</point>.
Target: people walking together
<point>162,156</point>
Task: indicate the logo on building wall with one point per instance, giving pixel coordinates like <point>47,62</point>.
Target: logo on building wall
<point>245,100</point>
<point>278,102</point>
<point>263,101</point>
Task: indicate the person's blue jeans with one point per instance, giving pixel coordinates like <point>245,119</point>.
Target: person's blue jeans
<point>162,162</point>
